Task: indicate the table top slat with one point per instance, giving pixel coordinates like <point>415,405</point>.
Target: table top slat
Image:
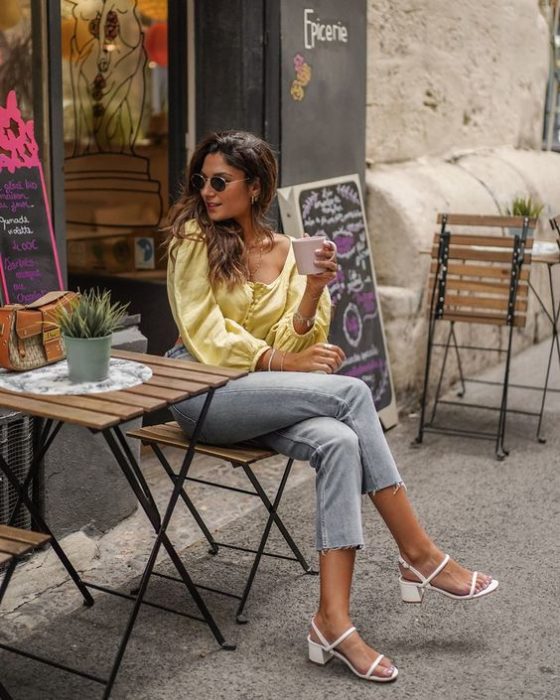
<point>194,388</point>
<point>190,375</point>
<point>36,405</point>
<point>148,403</point>
<point>184,364</point>
<point>159,392</point>
<point>95,402</point>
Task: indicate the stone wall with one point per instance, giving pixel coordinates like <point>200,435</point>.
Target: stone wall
<point>455,111</point>
<point>444,75</point>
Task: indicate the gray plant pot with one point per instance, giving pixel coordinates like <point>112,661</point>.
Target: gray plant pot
<point>88,358</point>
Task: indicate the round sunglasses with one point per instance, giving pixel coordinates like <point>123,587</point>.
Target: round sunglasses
<point>217,183</point>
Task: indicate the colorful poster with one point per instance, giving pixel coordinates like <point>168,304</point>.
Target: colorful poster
<point>29,265</point>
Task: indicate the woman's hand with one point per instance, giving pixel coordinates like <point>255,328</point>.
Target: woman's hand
<point>321,357</point>
<point>325,258</point>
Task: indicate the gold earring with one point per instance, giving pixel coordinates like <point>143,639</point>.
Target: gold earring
<point>253,199</point>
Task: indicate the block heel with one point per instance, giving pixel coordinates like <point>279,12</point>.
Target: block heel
<point>322,652</point>
<point>410,592</point>
<point>317,654</point>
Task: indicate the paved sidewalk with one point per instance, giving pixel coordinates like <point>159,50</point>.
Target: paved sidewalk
<point>501,517</point>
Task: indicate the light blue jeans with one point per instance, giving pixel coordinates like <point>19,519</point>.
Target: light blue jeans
<point>328,420</point>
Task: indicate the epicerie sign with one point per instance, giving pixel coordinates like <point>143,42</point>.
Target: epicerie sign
<point>315,30</point>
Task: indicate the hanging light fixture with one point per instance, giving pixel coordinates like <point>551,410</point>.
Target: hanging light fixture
<point>154,9</point>
<point>10,14</point>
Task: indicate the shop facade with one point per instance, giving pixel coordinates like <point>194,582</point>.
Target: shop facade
<point>120,91</point>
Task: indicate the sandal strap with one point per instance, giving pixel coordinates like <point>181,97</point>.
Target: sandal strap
<point>374,665</point>
<point>318,632</point>
<point>425,581</point>
<point>342,637</point>
<point>323,640</point>
<point>473,584</point>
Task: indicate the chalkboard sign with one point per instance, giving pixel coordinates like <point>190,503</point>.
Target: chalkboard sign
<point>334,207</point>
<point>29,264</point>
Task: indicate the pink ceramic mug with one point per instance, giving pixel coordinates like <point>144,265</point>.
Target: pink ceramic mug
<point>304,253</point>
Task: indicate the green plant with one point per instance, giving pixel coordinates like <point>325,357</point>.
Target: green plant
<point>92,315</point>
<point>525,206</point>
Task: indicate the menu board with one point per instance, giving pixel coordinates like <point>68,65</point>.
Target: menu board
<point>334,208</point>
<point>29,265</point>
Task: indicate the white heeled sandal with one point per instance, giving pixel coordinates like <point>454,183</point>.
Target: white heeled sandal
<point>322,653</point>
<point>413,591</point>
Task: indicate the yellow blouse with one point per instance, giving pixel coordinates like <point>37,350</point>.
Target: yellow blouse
<point>234,327</point>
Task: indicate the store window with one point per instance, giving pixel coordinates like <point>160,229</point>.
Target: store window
<point>16,54</point>
<point>115,121</point>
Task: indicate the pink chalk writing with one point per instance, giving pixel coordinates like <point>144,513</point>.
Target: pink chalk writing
<point>17,139</point>
<point>29,263</point>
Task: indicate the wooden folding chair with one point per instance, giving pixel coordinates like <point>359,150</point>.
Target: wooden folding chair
<point>476,278</point>
<point>239,455</point>
<point>15,544</point>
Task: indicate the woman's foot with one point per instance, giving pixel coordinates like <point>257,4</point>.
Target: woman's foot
<point>453,578</point>
<point>359,654</point>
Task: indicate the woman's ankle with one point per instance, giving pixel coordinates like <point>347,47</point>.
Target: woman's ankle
<point>419,554</point>
<point>336,619</point>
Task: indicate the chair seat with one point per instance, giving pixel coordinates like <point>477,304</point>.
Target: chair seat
<point>238,455</point>
<point>17,542</point>
<point>171,434</point>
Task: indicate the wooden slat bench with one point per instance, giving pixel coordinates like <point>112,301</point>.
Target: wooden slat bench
<point>239,455</point>
<point>15,544</point>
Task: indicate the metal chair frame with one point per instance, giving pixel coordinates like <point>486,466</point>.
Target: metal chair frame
<point>438,311</point>
<point>14,545</point>
<point>235,456</point>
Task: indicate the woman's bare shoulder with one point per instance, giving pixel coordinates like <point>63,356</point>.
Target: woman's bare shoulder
<point>282,241</point>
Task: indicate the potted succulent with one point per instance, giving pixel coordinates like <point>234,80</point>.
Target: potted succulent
<point>524,206</point>
<point>87,328</point>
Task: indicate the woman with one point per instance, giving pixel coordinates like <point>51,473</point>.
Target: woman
<point>239,302</point>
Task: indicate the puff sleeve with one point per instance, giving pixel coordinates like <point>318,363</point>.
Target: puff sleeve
<point>206,332</point>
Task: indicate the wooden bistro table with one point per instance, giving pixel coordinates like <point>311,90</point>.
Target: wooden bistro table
<point>172,381</point>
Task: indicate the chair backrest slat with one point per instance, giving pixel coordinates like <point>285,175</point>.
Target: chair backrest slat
<point>483,302</point>
<point>486,221</point>
<point>500,288</point>
<point>480,278</point>
<point>492,319</point>
<point>482,271</point>
<point>486,241</point>
<point>461,252</point>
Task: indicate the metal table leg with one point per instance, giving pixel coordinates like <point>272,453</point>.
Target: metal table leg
<point>128,464</point>
<point>23,497</point>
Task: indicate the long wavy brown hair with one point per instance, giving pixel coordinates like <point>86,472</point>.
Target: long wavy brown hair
<point>227,253</point>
